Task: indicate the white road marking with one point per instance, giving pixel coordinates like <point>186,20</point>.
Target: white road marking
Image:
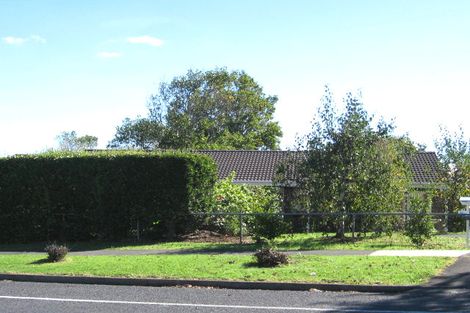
<point>216,306</point>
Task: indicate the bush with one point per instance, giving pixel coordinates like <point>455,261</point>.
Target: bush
<point>102,195</point>
<point>419,226</point>
<point>230,198</point>
<point>269,226</point>
<point>55,252</point>
<point>234,198</point>
<point>267,257</point>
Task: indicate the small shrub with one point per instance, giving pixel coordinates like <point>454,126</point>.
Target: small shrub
<point>267,257</point>
<point>267,200</point>
<point>55,252</point>
<point>268,227</point>
<point>229,198</point>
<point>419,226</point>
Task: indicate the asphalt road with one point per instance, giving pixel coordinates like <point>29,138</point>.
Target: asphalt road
<point>18,297</point>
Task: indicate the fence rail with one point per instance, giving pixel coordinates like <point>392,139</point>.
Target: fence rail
<point>442,218</point>
<point>354,223</point>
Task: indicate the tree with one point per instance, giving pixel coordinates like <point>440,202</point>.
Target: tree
<point>215,109</point>
<point>69,141</point>
<point>350,165</point>
<point>419,226</point>
<point>139,133</point>
<point>453,151</point>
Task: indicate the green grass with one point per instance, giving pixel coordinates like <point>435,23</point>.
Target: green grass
<point>395,242</point>
<point>322,269</point>
<point>315,241</point>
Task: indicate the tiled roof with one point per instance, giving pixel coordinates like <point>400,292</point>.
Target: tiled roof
<point>259,167</point>
<point>425,168</point>
<point>250,166</point>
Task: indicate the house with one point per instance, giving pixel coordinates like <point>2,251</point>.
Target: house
<point>252,167</point>
<point>256,167</point>
<point>259,168</point>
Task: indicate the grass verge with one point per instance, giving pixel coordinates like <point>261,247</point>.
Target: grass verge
<point>316,241</point>
<point>321,269</point>
<point>313,241</point>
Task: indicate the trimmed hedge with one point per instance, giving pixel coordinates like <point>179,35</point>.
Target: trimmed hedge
<point>107,195</point>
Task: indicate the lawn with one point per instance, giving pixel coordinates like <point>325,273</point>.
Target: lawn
<point>313,241</point>
<point>317,241</point>
<point>319,269</point>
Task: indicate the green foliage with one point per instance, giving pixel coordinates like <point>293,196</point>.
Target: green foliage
<point>139,133</point>
<point>350,165</point>
<point>269,226</point>
<point>267,257</point>
<point>69,141</point>
<point>55,252</point>
<point>419,226</point>
<point>102,195</point>
<point>230,198</point>
<point>215,109</point>
<point>453,150</point>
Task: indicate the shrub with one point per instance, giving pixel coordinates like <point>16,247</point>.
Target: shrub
<point>55,252</point>
<point>419,226</point>
<point>269,226</point>
<point>230,197</point>
<point>102,195</point>
<point>267,257</point>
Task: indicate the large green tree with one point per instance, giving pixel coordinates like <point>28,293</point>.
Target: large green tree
<point>70,141</point>
<point>453,150</point>
<point>216,109</point>
<point>352,165</point>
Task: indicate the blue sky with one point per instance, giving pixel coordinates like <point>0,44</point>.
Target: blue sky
<point>86,65</point>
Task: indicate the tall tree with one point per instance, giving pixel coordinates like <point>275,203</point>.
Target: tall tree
<point>69,141</point>
<point>215,109</point>
<point>351,165</point>
<point>453,150</point>
<point>140,133</point>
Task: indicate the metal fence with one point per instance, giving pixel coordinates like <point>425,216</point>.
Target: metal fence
<point>354,222</point>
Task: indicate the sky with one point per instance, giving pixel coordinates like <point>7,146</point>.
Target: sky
<point>86,65</point>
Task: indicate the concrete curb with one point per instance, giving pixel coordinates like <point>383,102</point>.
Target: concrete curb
<point>155,282</point>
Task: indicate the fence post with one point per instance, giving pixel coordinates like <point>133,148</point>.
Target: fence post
<point>240,216</point>
<point>138,230</point>
<point>308,224</point>
<point>353,225</point>
<point>446,221</point>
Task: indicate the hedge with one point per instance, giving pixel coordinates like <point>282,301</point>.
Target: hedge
<point>108,195</point>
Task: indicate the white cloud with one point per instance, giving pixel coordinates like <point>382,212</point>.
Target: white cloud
<point>37,39</point>
<point>146,40</point>
<point>10,40</point>
<point>109,54</point>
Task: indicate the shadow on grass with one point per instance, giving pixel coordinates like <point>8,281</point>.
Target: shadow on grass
<point>41,261</point>
<point>95,246</point>
<point>74,246</point>
<point>251,265</point>
<point>327,242</point>
<point>287,242</point>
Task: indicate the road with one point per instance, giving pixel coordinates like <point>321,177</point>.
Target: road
<point>18,297</point>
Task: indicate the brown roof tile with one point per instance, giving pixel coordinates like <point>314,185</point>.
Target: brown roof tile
<point>259,167</point>
<point>425,168</point>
